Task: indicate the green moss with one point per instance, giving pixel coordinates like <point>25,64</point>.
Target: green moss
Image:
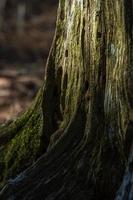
<point>21,151</point>
<point>87,46</point>
<point>22,144</point>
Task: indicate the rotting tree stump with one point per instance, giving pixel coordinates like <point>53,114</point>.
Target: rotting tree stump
<point>80,125</point>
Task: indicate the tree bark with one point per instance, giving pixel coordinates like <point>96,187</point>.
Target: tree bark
<point>81,123</point>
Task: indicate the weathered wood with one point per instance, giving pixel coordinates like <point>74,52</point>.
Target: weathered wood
<point>85,108</point>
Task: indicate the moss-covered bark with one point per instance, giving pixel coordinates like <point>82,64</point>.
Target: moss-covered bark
<point>82,119</point>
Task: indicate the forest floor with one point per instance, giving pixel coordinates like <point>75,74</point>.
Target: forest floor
<point>18,87</point>
<point>22,62</point>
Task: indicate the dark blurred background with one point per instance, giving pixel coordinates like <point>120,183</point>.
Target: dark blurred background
<point>26,33</point>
